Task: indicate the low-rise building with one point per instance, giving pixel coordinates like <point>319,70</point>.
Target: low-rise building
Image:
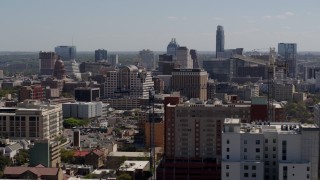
<point>84,110</point>
<point>38,172</point>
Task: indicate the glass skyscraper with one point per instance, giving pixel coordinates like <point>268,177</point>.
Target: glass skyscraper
<point>288,51</point>
<point>66,53</point>
<point>219,40</point>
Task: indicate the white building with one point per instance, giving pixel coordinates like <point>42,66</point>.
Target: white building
<point>284,151</point>
<point>184,58</point>
<point>84,110</point>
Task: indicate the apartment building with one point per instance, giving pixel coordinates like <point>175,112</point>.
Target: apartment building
<point>264,150</point>
<point>31,120</point>
<point>193,138</point>
<point>84,110</point>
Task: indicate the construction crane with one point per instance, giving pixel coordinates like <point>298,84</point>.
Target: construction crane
<point>271,65</point>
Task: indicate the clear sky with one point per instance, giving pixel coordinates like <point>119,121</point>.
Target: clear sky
<point>131,25</point>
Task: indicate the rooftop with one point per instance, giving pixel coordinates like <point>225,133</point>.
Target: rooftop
<point>133,165</point>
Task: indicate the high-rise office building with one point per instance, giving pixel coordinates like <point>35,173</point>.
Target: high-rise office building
<point>66,53</point>
<point>59,71</point>
<point>184,58</point>
<point>100,54</point>
<point>191,83</point>
<point>47,61</point>
<point>128,81</point>
<point>147,59</point>
<point>113,59</point>
<point>194,57</point>
<point>172,48</point>
<point>289,52</point>
<point>219,40</point>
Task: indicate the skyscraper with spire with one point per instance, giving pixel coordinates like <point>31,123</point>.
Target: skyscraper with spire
<point>219,40</point>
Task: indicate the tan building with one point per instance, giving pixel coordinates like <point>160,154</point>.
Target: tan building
<point>158,134</point>
<point>38,172</point>
<point>193,129</point>
<point>47,61</point>
<point>31,120</point>
<point>191,83</point>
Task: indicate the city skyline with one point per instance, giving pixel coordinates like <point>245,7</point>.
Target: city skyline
<point>135,25</point>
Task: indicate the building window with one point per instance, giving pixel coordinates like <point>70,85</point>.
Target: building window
<point>228,141</point>
<point>227,149</point>
<point>257,150</point>
<point>266,148</point>
<point>266,156</point>
<point>274,140</point>
<point>245,150</point>
<point>308,168</point>
<point>227,174</point>
<point>227,166</point>
<point>257,141</point>
<point>266,141</point>
<point>245,157</point>
<point>246,175</point>
<point>254,167</point>
<point>246,167</point>
<point>245,142</point>
<point>227,156</point>
<point>254,175</point>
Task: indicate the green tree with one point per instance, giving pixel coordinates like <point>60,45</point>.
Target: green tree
<point>66,155</point>
<point>4,161</point>
<point>74,122</point>
<point>124,176</point>
<point>22,157</point>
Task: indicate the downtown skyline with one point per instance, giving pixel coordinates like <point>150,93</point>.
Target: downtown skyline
<point>132,26</point>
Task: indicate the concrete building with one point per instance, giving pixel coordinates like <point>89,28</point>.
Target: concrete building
<point>86,94</point>
<point>283,92</point>
<point>166,64</point>
<point>147,59</point>
<point>72,69</point>
<point>191,83</point>
<point>46,153</point>
<point>100,54</point>
<point>95,68</point>
<point>193,138</point>
<point>184,59</point>
<point>128,81</point>
<point>219,40</point>
<point>269,150</point>
<point>288,51</point>
<point>46,62</point>
<point>83,110</point>
<point>76,138</point>
<point>66,53</point>
<point>31,120</point>
<point>123,103</point>
<point>113,59</point>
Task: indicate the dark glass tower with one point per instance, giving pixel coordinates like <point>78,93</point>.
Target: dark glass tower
<point>219,40</point>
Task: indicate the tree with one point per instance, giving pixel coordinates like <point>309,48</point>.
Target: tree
<point>4,161</point>
<point>74,122</point>
<point>22,157</point>
<point>66,155</point>
<point>124,176</point>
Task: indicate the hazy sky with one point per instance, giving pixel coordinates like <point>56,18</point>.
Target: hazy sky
<point>131,25</point>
